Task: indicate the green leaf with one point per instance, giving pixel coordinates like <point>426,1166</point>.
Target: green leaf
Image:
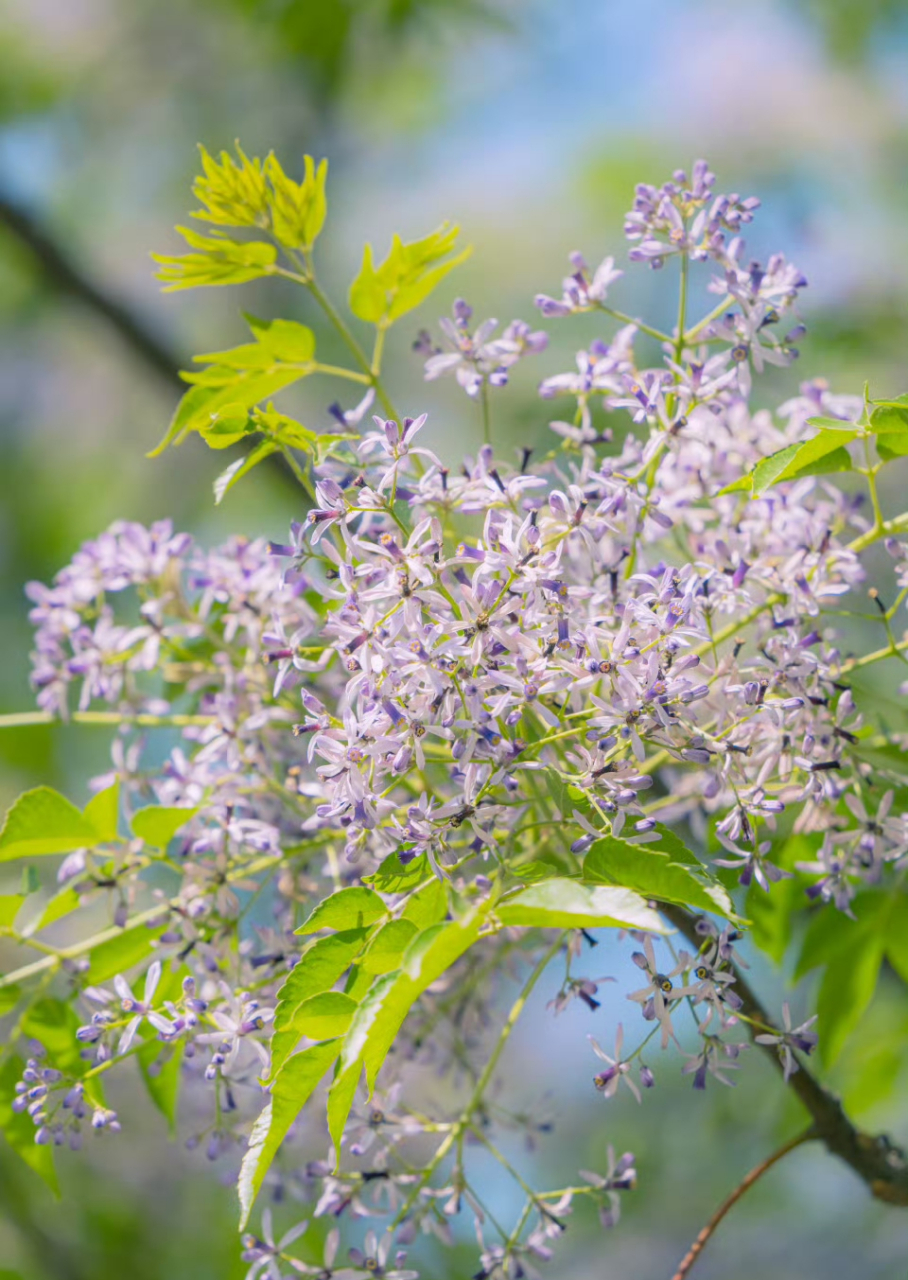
<point>117,954</point>
<point>54,1023</point>
<point>427,905</point>
<point>297,209</point>
<point>325,1016</point>
<point>237,470</point>
<point>388,946</point>
<point>233,195</point>
<point>846,990</point>
<point>565,904</point>
<point>103,812</point>
<point>897,936</point>
<point>381,1014</point>
<point>10,906</point>
<point>158,824</point>
<point>546,867</point>
<point>61,904</point>
<point>821,455</point>
<point>283,339</point>
<point>41,822</point>
<point>351,908</point>
<point>831,424</point>
<point>394,876</point>
<point>381,295</point>
<point>161,1067</point>
<point>831,933</point>
<point>318,970</point>
<point>650,871</point>
<point>9,998</point>
<point>219,261</point>
<point>889,423</point>
<point>18,1129</point>
<point>290,1092</point>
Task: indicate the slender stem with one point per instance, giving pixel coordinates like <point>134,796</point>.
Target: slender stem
<point>699,1244</point>
<point>21,719</point>
<point>352,345</point>
<point>644,328</point>
<point>682,306</point>
<point>298,471</point>
<point>486,422</point>
<point>338,371</point>
<point>707,320</point>
<point>510,1023</point>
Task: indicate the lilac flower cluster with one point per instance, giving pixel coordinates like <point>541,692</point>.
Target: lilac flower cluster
<point>476,668</point>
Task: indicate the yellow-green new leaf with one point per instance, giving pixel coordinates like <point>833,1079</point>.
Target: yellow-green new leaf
<point>381,295</point>
<point>233,195</point>
<point>318,970</point>
<point>298,209</point>
<point>219,261</point>
<point>325,1016</point>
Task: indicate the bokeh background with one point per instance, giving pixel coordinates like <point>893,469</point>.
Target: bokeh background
<point>529,123</point>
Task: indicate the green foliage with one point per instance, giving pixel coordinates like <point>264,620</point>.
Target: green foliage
<point>292,1089</point>
<point>381,295</point>
<point>126,948</point>
<point>394,876</point>
<point>43,822</point>
<point>318,970</point>
<point>381,1014</point>
<point>18,1130</point>
<point>158,824</point>
<point>822,454</point>
<point>889,422</point>
<point>351,908</point>
<point>652,872</point>
<point>325,1016</point>
<point>564,904</point>
<point>219,261</point>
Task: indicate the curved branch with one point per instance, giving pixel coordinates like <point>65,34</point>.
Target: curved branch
<point>755,1174</point>
<point>63,274</point>
<point>876,1160</point>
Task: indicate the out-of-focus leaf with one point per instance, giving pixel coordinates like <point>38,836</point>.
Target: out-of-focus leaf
<point>158,824</point>
<point>103,812</point>
<point>53,1022</point>
<point>295,1084</point>
<point>897,935</point>
<point>121,952</point>
<point>565,904</point>
<point>161,1067</point>
<point>351,908</point>
<point>18,1129</point>
<point>846,990</point>
<point>298,209</point>
<point>10,906</point>
<point>41,822</point>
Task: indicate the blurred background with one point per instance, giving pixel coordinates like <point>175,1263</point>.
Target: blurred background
<point>528,123</point>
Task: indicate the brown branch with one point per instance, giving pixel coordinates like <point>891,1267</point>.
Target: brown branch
<point>65,276</point>
<point>876,1160</point>
<point>699,1244</point>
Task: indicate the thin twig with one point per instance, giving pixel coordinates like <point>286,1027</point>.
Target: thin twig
<point>699,1244</point>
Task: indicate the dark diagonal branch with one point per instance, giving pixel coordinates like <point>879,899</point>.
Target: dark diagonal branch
<point>875,1159</point>
<point>65,276</point>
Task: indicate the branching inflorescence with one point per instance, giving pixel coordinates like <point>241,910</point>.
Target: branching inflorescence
<point>460,719</point>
